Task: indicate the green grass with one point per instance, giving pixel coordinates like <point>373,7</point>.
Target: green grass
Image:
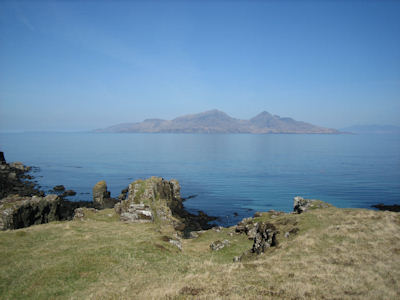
<point>337,254</point>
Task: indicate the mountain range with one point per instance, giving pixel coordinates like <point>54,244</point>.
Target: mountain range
<point>216,121</point>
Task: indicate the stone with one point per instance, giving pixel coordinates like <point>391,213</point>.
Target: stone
<point>300,204</point>
<point>2,158</point>
<point>248,227</point>
<point>251,233</point>
<point>237,258</point>
<point>123,195</point>
<point>257,214</point>
<point>19,166</point>
<point>69,193</point>
<point>101,196</point>
<point>193,235</point>
<point>59,188</point>
<point>217,228</point>
<point>137,213</point>
<point>176,243</point>
<point>218,245</point>
<point>265,237</point>
<point>381,206</point>
<point>81,212</point>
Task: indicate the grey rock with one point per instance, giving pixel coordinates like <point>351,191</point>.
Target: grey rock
<point>19,212</point>
<point>218,245</point>
<point>265,237</point>
<point>217,228</point>
<point>193,235</point>
<point>300,204</point>
<point>176,243</point>
<point>237,259</point>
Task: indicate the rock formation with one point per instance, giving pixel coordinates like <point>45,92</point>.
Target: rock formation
<point>19,212</point>
<point>13,180</point>
<point>248,227</point>
<point>159,200</point>
<point>101,197</point>
<point>265,237</point>
<point>23,205</point>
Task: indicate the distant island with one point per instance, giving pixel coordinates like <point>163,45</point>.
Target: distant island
<point>216,121</point>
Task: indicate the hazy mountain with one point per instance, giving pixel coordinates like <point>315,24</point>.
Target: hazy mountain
<point>375,129</point>
<point>215,121</point>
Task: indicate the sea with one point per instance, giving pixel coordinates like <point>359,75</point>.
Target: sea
<point>230,176</point>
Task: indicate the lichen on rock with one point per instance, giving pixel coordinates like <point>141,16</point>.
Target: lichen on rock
<point>158,200</point>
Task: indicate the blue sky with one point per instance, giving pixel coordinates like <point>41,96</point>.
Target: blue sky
<point>78,65</point>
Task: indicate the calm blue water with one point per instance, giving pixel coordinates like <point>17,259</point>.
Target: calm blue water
<point>229,172</point>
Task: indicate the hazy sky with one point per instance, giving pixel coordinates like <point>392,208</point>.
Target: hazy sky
<point>86,64</point>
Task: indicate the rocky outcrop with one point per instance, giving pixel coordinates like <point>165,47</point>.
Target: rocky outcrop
<point>23,205</point>
<point>154,199</point>
<point>301,205</point>
<point>381,206</point>
<point>159,200</point>
<point>101,196</point>
<point>19,212</point>
<point>13,180</point>
<point>248,227</point>
<point>265,237</point>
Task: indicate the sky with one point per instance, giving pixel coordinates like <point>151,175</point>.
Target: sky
<point>80,65</point>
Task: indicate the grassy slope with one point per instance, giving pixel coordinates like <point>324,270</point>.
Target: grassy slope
<point>337,254</point>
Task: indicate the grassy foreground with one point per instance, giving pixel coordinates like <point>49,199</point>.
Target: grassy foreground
<point>337,254</point>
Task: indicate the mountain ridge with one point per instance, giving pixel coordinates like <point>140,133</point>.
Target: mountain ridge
<point>216,121</point>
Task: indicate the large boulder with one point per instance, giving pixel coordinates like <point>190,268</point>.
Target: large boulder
<point>265,237</point>
<point>101,196</point>
<point>152,200</point>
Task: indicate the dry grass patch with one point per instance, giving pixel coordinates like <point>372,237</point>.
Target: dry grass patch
<point>336,254</point>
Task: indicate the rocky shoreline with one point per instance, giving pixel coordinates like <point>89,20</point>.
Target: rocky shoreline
<point>22,204</point>
<point>154,200</point>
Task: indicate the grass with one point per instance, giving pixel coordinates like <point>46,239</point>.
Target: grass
<point>337,254</point>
